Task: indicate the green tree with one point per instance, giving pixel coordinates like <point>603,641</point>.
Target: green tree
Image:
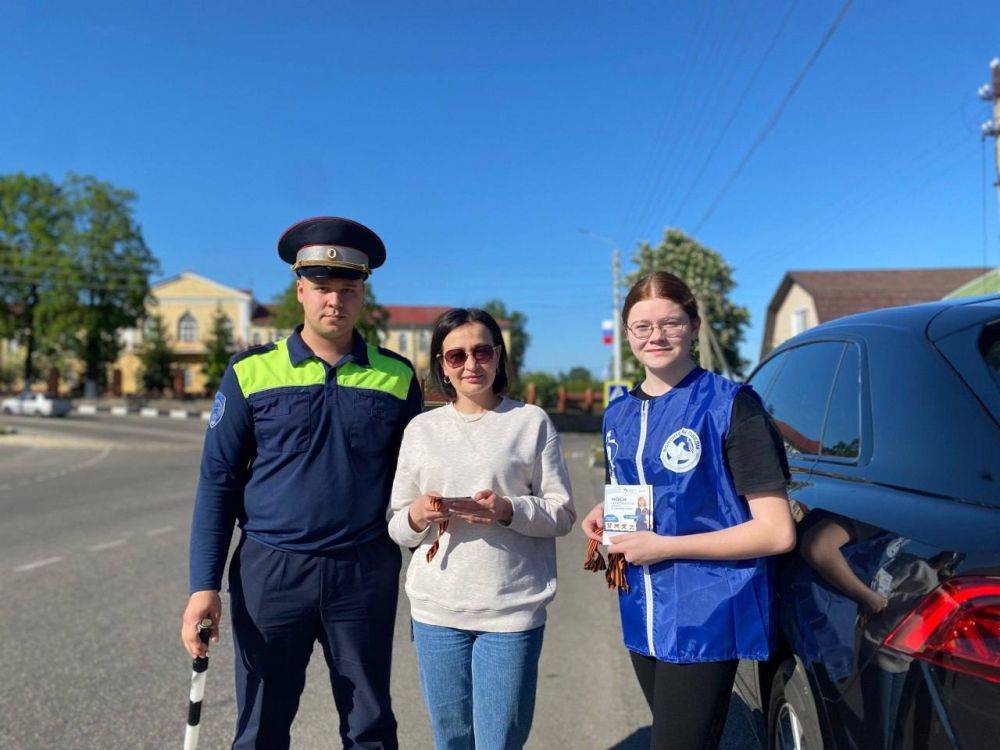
<point>711,280</point>
<point>156,358</point>
<point>219,350</point>
<point>35,263</point>
<point>372,324</point>
<point>546,388</point>
<point>578,379</point>
<point>112,268</point>
<point>519,336</point>
<point>286,311</point>
<point>576,374</point>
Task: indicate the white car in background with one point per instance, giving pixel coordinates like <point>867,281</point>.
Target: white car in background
<point>35,404</point>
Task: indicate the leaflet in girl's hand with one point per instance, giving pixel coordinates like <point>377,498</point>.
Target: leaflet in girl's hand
<point>627,508</point>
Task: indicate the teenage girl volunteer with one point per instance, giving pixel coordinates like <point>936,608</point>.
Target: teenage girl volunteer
<point>698,594</point>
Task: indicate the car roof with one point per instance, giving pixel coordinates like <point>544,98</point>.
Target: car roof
<point>916,318</point>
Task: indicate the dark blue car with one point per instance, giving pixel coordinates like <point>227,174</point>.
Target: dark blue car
<point>890,605</point>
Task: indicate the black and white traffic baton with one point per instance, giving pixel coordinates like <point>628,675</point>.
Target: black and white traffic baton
<point>199,672</point>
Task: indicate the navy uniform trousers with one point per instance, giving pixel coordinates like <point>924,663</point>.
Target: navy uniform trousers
<point>282,603</point>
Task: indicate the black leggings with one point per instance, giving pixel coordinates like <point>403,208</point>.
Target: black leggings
<point>689,701</point>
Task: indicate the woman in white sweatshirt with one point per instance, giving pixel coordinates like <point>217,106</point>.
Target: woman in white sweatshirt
<point>482,489</point>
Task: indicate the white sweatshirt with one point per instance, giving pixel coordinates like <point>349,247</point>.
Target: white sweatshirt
<point>484,577</point>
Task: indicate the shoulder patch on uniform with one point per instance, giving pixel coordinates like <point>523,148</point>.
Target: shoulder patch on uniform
<point>218,409</point>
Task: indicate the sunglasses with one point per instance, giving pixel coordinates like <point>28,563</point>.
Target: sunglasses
<point>482,354</point>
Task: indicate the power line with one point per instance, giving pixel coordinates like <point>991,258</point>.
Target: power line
<point>846,229</point>
<point>775,116</point>
<point>879,186</point>
<point>708,94</point>
<point>736,110</point>
<point>660,167</point>
<point>654,154</point>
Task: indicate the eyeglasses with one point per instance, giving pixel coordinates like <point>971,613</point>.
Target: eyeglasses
<point>643,329</point>
<point>482,354</point>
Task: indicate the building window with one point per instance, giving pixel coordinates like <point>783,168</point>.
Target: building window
<point>255,338</point>
<point>404,341</point>
<point>424,341</point>
<point>127,338</point>
<point>187,329</point>
<point>799,321</point>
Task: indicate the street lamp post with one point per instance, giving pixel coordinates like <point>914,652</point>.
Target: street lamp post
<point>616,289</point>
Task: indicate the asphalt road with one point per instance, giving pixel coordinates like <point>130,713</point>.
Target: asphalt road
<point>94,518</point>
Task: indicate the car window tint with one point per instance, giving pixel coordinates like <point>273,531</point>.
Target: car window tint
<point>989,347</point>
<point>761,380</point>
<point>842,432</point>
<point>797,399</point>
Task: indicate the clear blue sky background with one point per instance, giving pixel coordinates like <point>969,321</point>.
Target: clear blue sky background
<point>477,138</point>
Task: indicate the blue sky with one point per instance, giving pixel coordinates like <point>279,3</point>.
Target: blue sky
<point>477,138</point>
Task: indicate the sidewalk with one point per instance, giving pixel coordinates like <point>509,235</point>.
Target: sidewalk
<point>170,408</point>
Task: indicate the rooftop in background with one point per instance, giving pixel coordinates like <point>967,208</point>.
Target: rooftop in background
<point>414,315</point>
<point>807,298</point>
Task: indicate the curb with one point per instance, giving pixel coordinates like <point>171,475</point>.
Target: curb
<point>146,411</point>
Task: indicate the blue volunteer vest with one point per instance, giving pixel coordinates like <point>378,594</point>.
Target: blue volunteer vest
<point>688,610</point>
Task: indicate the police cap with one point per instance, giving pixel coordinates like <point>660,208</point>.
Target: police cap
<point>331,246</point>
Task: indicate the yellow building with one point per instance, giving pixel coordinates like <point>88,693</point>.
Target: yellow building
<point>188,303</point>
<point>409,329</point>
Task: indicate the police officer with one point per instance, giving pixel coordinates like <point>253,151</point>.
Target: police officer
<point>300,451</point>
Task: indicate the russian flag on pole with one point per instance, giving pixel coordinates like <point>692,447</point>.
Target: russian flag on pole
<point>607,331</point>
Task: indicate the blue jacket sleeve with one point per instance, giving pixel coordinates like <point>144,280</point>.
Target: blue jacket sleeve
<point>225,468</point>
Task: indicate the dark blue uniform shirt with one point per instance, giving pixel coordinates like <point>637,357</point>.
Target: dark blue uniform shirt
<point>300,453</point>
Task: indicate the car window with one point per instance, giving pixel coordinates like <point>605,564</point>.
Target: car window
<point>797,400</point>
<point>761,379</point>
<point>989,347</point>
<point>842,431</point>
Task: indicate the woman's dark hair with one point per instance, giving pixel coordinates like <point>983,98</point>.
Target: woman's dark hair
<point>660,285</point>
<point>447,323</point>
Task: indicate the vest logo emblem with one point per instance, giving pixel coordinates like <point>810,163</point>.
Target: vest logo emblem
<point>681,451</point>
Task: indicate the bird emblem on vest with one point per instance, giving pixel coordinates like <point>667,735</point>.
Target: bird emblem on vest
<point>681,451</point>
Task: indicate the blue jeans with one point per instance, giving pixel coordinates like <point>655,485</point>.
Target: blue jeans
<point>479,687</point>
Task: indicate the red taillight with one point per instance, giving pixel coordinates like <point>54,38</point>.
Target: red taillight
<point>956,626</point>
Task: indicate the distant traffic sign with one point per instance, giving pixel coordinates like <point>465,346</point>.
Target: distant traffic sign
<point>615,389</point>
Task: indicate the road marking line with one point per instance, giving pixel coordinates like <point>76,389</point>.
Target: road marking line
<point>161,530</point>
<point>37,564</point>
<point>106,545</point>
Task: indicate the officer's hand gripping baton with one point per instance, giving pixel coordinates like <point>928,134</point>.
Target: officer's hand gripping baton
<point>199,672</point>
